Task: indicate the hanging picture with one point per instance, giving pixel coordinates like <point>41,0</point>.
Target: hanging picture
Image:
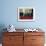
<point>26,14</point>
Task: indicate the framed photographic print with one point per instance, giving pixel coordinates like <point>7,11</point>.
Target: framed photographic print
<point>26,14</point>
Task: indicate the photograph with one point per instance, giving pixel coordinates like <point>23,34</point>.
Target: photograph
<point>26,14</point>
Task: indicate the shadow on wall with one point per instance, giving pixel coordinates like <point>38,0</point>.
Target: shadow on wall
<point>2,26</point>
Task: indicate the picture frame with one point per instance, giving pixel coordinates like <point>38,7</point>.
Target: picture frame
<point>26,13</point>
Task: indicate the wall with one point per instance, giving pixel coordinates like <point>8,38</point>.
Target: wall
<point>8,13</point>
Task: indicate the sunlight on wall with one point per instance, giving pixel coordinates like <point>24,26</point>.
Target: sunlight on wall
<point>44,44</point>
